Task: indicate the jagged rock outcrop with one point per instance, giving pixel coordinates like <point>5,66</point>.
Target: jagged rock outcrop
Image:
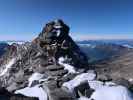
<point>41,56</point>
<point>51,67</point>
<point>3,47</point>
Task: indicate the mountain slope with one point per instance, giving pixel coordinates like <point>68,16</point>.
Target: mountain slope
<point>52,67</point>
<point>3,47</point>
<point>22,60</point>
<point>117,67</point>
<point>97,52</point>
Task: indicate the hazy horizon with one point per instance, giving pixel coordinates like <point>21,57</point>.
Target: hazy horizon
<point>83,38</point>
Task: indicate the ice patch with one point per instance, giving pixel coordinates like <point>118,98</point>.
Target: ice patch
<point>68,67</point>
<point>35,91</point>
<point>7,66</point>
<point>95,84</point>
<point>111,93</point>
<point>128,46</point>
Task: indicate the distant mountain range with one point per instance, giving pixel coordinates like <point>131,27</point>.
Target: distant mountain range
<point>96,50</point>
<point>121,66</point>
<point>100,52</point>
<point>126,43</point>
<point>12,41</point>
<point>54,67</point>
<point>5,44</point>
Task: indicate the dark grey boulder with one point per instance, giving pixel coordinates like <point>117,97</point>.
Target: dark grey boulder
<point>83,90</point>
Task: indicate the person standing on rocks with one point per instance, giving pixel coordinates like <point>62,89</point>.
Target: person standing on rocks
<point>53,32</point>
<point>61,29</point>
<point>53,36</point>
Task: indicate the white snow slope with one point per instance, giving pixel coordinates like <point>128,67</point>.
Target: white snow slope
<point>112,93</point>
<point>108,91</point>
<point>79,79</point>
<point>68,67</point>
<point>35,77</point>
<point>103,91</point>
<point>35,91</point>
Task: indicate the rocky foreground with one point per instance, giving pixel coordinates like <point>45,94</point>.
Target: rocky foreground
<point>52,67</point>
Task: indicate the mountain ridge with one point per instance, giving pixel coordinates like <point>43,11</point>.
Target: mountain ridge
<point>53,67</point>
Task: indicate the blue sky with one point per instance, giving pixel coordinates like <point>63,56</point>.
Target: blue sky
<point>88,19</point>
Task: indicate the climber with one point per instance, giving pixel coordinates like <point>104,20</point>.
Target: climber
<point>53,37</point>
<point>62,30</point>
<point>54,32</point>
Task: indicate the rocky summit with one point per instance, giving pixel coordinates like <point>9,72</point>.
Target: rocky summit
<point>52,67</point>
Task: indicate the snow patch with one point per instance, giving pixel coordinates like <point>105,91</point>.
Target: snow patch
<point>130,80</point>
<point>110,84</point>
<point>36,77</point>
<point>68,67</point>
<point>7,66</point>
<point>111,93</point>
<point>87,45</point>
<point>35,91</point>
<point>79,79</point>
<point>103,91</point>
<point>17,42</point>
<point>83,98</point>
<point>128,46</point>
<point>95,84</point>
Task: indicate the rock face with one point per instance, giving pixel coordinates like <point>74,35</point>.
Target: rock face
<point>41,56</point>
<point>51,67</point>
<point>3,47</point>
